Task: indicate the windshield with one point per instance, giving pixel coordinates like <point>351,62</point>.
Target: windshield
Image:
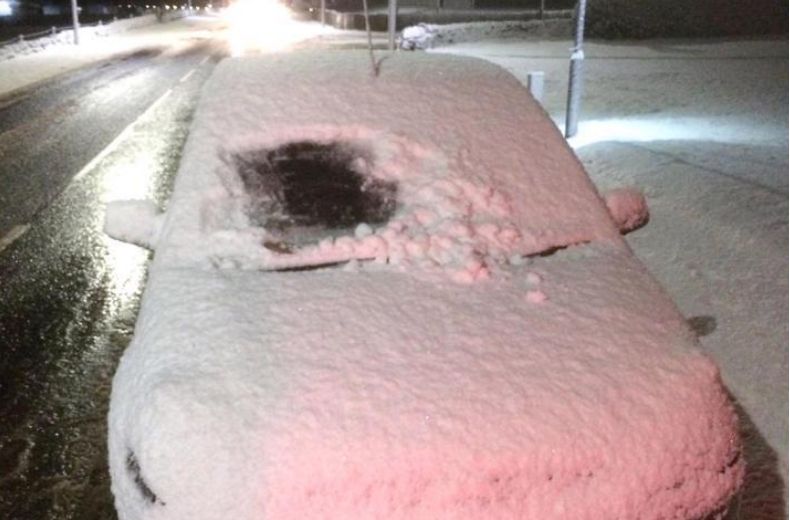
<point>304,192</point>
<point>315,202</point>
<point>311,160</point>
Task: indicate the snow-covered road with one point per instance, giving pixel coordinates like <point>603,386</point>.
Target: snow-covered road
<point>702,128</point>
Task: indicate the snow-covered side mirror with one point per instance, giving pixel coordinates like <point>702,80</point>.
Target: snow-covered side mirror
<point>628,208</point>
<point>134,221</point>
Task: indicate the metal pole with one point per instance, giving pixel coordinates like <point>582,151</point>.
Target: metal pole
<point>76,19</point>
<point>542,8</point>
<point>535,84</point>
<point>392,18</point>
<point>575,76</point>
<point>323,12</point>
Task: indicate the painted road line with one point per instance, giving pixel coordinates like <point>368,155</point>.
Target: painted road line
<point>123,135</point>
<point>204,60</point>
<point>13,235</point>
<point>12,100</point>
<point>186,76</point>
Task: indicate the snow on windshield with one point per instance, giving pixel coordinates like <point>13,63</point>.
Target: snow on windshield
<point>479,173</point>
<point>369,196</point>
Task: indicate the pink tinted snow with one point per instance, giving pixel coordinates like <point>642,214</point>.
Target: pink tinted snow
<point>384,395</point>
<point>480,177</point>
<point>628,208</point>
<point>386,390</point>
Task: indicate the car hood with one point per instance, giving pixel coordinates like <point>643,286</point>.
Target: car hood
<point>568,381</point>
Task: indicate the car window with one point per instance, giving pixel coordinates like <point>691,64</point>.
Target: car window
<point>367,196</point>
<point>303,192</point>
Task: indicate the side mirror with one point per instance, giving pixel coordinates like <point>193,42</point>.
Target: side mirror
<point>628,208</point>
<point>135,221</point>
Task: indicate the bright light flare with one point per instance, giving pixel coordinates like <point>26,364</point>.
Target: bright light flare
<point>5,8</point>
<point>264,25</point>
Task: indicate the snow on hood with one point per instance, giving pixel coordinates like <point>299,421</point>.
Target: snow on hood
<point>483,175</point>
<point>381,394</point>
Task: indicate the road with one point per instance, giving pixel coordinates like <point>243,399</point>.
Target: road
<point>68,294</point>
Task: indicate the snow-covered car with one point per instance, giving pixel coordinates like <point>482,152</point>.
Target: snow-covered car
<point>399,296</point>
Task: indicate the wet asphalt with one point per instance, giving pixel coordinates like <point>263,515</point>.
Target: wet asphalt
<point>69,294</point>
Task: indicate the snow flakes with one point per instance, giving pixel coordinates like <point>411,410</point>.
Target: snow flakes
<point>533,278</point>
<point>536,296</point>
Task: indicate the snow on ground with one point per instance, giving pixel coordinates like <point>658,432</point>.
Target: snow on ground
<point>426,36</point>
<point>86,33</point>
<point>702,128</point>
<point>25,70</point>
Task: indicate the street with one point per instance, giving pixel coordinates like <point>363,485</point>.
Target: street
<point>68,294</point>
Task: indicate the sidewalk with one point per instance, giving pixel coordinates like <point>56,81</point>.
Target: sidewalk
<point>24,71</point>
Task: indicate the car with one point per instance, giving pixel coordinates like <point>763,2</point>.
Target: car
<point>392,292</point>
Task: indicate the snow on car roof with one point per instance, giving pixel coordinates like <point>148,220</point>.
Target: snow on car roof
<point>482,173</point>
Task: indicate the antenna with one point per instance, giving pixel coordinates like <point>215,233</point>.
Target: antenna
<point>374,66</point>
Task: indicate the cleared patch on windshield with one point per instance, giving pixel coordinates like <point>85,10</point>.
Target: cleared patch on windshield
<point>318,202</point>
<point>303,192</point>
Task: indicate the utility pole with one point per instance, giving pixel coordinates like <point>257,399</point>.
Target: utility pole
<point>392,18</point>
<point>76,19</point>
<point>575,77</point>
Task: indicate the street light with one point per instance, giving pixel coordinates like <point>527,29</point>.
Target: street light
<point>392,20</point>
<point>76,20</point>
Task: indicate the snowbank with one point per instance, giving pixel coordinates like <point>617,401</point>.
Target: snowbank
<point>425,36</point>
<point>66,37</point>
<point>134,221</point>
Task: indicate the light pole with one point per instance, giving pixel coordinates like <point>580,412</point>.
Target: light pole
<point>575,77</point>
<point>76,19</point>
<point>392,18</point>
